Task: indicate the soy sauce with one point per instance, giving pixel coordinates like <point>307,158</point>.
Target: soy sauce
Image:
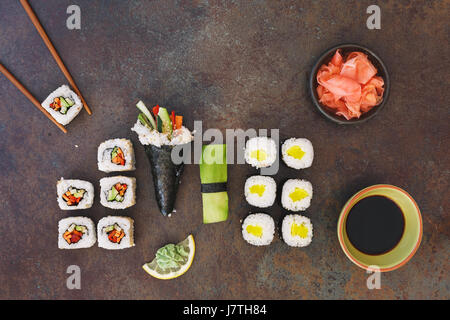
<point>375,225</point>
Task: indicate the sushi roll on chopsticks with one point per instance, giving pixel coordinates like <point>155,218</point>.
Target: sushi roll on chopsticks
<point>298,153</point>
<point>118,192</point>
<point>260,152</point>
<point>115,233</point>
<point>297,231</point>
<point>159,132</point>
<point>76,233</point>
<point>258,229</point>
<point>296,195</point>
<point>260,191</point>
<point>74,194</point>
<point>63,104</point>
<point>116,155</point>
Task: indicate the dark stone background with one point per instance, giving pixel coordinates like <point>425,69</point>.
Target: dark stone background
<point>232,64</point>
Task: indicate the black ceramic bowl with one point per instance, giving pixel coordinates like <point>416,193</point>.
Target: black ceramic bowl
<point>325,58</point>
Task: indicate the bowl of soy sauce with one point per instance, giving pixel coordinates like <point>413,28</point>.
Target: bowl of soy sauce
<point>380,228</point>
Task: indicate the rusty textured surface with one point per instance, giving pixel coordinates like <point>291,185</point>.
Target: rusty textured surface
<point>232,64</point>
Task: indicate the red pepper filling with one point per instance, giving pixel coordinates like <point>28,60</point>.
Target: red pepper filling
<point>121,188</point>
<point>56,104</point>
<point>72,237</point>
<point>116,236</point>
<point>119,158</point>
<point>70,198</point>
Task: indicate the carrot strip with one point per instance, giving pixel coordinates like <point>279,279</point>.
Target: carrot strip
<point>178,122</point>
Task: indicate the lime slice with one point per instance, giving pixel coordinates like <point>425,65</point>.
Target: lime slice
<point>153,269</point>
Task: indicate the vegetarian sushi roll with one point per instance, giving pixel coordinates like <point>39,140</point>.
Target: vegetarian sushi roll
<point>76,233</point>
<point>296,195</point>
<point>297,231</point>
<point>260,152</point>
<point>258,229</point>
<point>297,153</point>
<point>118,192</point>
<point>115,155</point>
<point>115,233</point>
<point>159,132</point>
<point>260,191</point>
<point>63,104</point>
<point>74,194</point>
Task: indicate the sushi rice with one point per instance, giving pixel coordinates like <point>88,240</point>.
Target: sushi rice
<point>126,200</point>
<point>298,153</point>
<point>65,92</point>
<point>297,230</point>
<point>63,186</point>
<point>296,194</point>
<point>258,229</point>
<point>66,225</point>
<point>260,152</point>
<point>110,224</point>
<point>260,191</point>
<point>105,151</point>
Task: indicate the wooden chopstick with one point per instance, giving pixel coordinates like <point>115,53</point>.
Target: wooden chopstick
<point>30,96</point>
<point>53,51</point>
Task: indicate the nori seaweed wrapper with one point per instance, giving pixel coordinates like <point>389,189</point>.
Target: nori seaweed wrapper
<point>166,176</point>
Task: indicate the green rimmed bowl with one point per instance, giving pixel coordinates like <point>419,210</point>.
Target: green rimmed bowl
<point>409,243</point>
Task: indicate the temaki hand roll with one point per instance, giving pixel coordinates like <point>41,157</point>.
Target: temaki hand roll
<point>213,176</point>
<point>159,133</point>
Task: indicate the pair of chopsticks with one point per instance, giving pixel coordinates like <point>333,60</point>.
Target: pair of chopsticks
<point>51,48</point>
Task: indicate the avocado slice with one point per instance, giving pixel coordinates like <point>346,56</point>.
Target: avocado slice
<point>114,153</point>
<point>144,120</point>
<point>70,102</point>
<point>81,229</point>
<point>64,102</point>
<point>112,194</point>
<point>109,228</point>
<point>167,126</point>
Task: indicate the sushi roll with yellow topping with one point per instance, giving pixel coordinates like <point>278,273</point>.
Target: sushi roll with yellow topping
<point>260,191</point>
<point>260,152</point>
<point>297,231</point>
<point>296,195</point>
<point>298,153</point>
<point>258,229</point>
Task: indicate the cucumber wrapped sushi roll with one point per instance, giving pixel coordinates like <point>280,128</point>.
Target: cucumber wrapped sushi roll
<point>115,233</point>
<point>76,233</point>
<point>63,104</point>
<point>116,155</point>
<point>73,194</point>
<point>118,192</point>
<point>159,132</point>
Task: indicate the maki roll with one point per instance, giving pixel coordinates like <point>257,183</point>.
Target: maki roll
<point>74,194</point>
<point>76,233</point>
<point>118,192</point>
<point>260,191</point>
<point>298,153</point>
<point>115,233</point>
<point>258,229</point>
<point>296,195</point>
<point>63,104</point>
<point>116,155</point>
<point>260,152</point>
<point>297,230</point>
<point>159,132</point>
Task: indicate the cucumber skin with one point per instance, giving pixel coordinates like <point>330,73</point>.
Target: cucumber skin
<point>167,126</point>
